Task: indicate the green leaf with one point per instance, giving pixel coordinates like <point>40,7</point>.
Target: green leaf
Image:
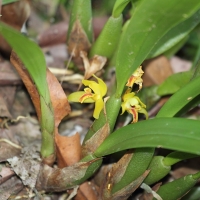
<point>173,50</point>
<point>119,7</point>
<point>193,194</point>
<point>82,12</point>
<point>149,23</point>
<point>175,35</point>
<point>176,189</point>
<point>173,83</point>
<point>107,41</point>
<point>4,2</point>
<point>170,133</point>
<point>33,59</point>
<point>180,99</point>
<point>176,156</point>
<point>31,56</point>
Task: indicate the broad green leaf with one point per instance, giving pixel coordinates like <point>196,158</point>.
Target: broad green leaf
<point>149,23</point>
<point>173,83</point>
<point>173,50</point>
<point>175,35</point>
<point>180,99</point>
<point>170,133</point>
<point>30,54</point>
<point>4,2</point>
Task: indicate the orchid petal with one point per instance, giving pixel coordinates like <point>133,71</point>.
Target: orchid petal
<point>103,86</point>
<point>93,85</point>
<point>75,97</point>
<point>98,107</point>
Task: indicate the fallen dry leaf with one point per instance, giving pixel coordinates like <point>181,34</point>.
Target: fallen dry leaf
<point>156,71</point>
<point>5,174</point>
<point>27,166</point>
<point>69,150</point>
<point>4,112</point>
<point>86,192</point>
<point>11,187</point>
<point>55,34</point>
<point>93,65</point>
<point>58,98</point>
<point>8,75</point>
<point>7,151</point>
<point>179,64</point>
<point>27,82</point>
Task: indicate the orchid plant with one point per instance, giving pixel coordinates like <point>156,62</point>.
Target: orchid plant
<point>146,34</point>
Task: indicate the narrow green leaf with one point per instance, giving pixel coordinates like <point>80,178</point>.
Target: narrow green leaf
<point>136,167</point>
<point>170,133</point>
<point>33,59</point>
<point>149,23</point>
<point>30,54</point>
<point>119,7</point>
<point>81,11</point>
<point>175,35</point>
<point>193,194</point>
<point>180,99</point>
<point>4,2</point>
<point>176,156</point>
<point>107,41</point>
<point>173,83</point>
<point>158,170</point>
<point>176,189</point>
<point>173,50</point>
<point>197,66</point>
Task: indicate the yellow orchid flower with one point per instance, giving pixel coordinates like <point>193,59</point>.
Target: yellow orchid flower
<point>94,93</point>
<point>136,78</point>
<point>133,105</point>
